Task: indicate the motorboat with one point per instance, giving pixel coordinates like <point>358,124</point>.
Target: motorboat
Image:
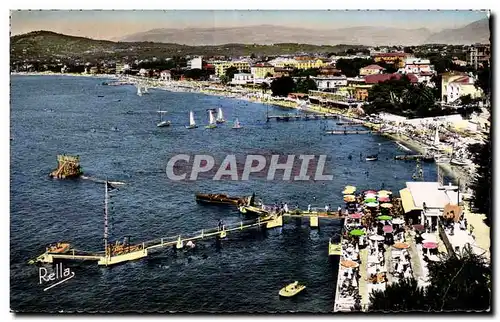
<point>221,199</point>
<point>292,289</point>
<point>334,249</point>
<point>372,158</point>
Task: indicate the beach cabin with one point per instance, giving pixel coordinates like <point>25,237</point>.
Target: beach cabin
<point>425,202</point>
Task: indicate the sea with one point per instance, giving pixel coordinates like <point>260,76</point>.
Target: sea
<point>114,132</point>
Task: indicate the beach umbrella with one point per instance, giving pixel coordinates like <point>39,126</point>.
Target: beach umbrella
<point>384,193</point>
<point>349,264</point>
<point>356,232</point>
<point>372,204</point>
<point>370,192</point>
<point>353,188</point>
<point>384,199</point>
<point>419,227</point>
<point>355,216</point>
<point>349,198</point>
<point>401,245</point>
<point>387,229</point>
<point>386,205</point>
<point>398,221</point>
<point>377,237</point>
<point>367,200</point>
<point>384,217</point>
<point>430,237</point>
<point>430,245</point>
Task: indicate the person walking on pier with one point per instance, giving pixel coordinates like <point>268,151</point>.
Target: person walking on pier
<point>309,208</point>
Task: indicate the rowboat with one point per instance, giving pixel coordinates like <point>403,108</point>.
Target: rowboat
<point>220,199</point>
<point>292,289</point>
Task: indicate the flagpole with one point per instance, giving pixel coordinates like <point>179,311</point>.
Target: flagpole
<point>106,217</point>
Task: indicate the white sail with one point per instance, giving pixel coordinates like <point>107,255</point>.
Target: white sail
<point>220,117</point>
<point>436,137</point>
<point>191,119</point>
<point>146,89</point>
<point>139,91</point>
<point>236,123</point>
<point>211,117</point>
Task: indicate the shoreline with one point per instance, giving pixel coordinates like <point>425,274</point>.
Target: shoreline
<point>251,96</point>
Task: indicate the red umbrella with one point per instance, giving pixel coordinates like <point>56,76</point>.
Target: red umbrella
<point>387,229</point>
<point>384,199</point>
<point>370,192</point>
<point>355,216</point>
<point>430,245</point>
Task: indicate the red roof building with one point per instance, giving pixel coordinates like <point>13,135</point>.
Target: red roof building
<point>379,78</point>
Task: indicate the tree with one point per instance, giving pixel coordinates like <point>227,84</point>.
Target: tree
<point>481,184</point>
<point>282,86</point>
<point>305,85</point>
<point>405,296</point>
<point>230,72</point>
<point>484,80</point>
<point>459,282</point>
<point>350,67</point>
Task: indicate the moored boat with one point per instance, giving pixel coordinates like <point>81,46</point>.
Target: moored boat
<point>372,158</point>
<point>292,289</point>
<point>334,249</point>
<point>58,248</point>
<point>221,199</point>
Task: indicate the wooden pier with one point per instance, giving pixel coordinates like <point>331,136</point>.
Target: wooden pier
<point>301,117</point>
<point>345,132</point>
<point>408,157</point>
<point>138,251</point>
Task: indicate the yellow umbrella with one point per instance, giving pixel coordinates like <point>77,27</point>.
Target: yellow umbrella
<point>349,198</point>
<point>384,192</point>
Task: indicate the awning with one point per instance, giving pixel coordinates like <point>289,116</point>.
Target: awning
<point>407,200</point>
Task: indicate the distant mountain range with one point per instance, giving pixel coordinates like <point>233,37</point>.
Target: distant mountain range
<point>475,32</point>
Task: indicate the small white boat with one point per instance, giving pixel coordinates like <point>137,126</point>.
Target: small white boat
<point>372,158</point>
<point>162,123</point>
<point>146,90</point>
<point>192,123</point>
<point>458,162</point>
<point>211,124</point>
<point>220,117</point>
<point>237,124</point>
<point>139,91</point>
<point>292,289</point>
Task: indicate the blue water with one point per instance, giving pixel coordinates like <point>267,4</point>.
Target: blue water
<point>116,137</point>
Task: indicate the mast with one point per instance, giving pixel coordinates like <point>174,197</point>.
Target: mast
<point>106,197</point>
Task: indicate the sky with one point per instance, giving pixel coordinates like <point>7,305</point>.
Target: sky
<point>112,25</point>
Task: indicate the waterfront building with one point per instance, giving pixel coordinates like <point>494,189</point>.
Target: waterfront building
<point>456,84</point>
<point>195,63</point>
<point>222,66</point>
<point>242,79</point>
<point>329,82</point>
<point>396,58</point>
<point>478,54</point>
<point>371,70</point>
<point>261,70</point>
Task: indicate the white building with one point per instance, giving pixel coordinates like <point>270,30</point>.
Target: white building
<point>328,82</point>
<point>165,75</point>
<point>417,65</point>
<point>242,79</point>
<point>195,63</point>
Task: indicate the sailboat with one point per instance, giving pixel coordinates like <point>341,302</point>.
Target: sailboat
<point>146,90</point>
<point>237,124</point>
<point>211,124</point>
<point>220,117</point>
<point>436,138</point>
<point>162,122</point>
<point>139,91</point>
<point>192,123</point>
